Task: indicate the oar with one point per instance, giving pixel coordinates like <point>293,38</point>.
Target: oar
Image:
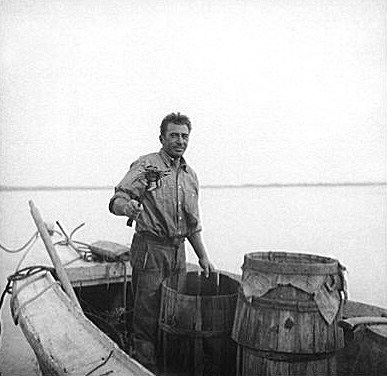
<point>60,271</point>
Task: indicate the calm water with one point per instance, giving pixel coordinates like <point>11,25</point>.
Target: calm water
<point>346,222</point>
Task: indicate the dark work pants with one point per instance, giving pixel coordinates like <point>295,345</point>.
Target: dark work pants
<point>152,262</point>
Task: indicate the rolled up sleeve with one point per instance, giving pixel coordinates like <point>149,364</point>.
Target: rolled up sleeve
<point>131,186</point>
<point>118,194</point>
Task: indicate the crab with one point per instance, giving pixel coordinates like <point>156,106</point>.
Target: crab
<point>153,177</point>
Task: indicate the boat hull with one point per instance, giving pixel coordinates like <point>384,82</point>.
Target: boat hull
<point>64,340</point>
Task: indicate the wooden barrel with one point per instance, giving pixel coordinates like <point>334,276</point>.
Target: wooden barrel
<point>365,353</point>
<point>279,327</point>
<point>195,324</point>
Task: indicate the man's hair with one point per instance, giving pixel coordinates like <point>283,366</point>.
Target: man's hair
<point>175,119</point>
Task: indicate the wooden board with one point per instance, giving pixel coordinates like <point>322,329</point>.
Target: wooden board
<point>63,339</point>
<point>96,273</point>
<point>354,309</point>
<point>79,271</point>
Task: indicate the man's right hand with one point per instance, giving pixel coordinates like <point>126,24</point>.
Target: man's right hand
<point>133,209</point>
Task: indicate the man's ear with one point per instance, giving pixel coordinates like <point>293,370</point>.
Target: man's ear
<point>161,138</point>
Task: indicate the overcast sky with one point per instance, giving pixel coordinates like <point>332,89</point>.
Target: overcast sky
<point>278,91</point>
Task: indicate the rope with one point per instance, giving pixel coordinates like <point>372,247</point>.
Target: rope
<point>17,312</point>
<point>124,303</point>
<point>107,328</point>
<point>83,249</point>
<point>25,254</point>
<point>100,365</point>
<point>20,275</point>
<point>33,238</point>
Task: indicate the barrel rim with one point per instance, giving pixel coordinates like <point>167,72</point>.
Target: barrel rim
<point>319,265</point>
<point>192,333</point>
<point>194,297</point>
<point>233,295</point>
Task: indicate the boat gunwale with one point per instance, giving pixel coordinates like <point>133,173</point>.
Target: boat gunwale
<point>53,363</point>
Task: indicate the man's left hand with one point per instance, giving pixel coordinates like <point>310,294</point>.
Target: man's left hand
<point>206,266</point>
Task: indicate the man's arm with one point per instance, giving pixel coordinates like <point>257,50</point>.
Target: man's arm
<point>125,200</point>
<point>128,208</point>
<point>197,243</point>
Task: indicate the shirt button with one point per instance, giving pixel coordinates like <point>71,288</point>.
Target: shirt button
<point>180,218</point>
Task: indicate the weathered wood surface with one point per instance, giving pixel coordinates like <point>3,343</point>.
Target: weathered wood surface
<point>365,352</point>
<point>283,331</point>
<point>95,273</point>
<point>59,269</point>
<point>63,339</point>
<point>79,271</point>
<point>351,308</point>
<point>296,327</point>
<point>365,330</point>
<point>195,325</point>
<point>109,249</point>
<point>354,309</point>
<point>254,364</point>
<point>353,322</point>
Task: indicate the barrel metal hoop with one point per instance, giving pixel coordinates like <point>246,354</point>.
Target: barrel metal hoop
<point>192,333</point>
<point>299,306</point>
<point>289,357</point>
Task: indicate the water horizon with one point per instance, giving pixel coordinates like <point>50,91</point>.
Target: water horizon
<point>10,188</point>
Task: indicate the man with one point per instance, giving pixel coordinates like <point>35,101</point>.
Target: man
<point>166,213</point>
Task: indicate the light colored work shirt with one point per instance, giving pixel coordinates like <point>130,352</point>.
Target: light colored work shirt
<point>171,210</point>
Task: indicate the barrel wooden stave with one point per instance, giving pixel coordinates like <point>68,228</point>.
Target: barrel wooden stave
<point>283,331</point>
<point>267,327</point>
<point>254,363</point>
<point>195,325</point>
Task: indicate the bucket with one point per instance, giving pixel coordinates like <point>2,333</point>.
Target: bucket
<point>287,312</point>
<point>195,324</point>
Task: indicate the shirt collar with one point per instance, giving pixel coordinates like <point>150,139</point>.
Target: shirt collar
<point>169,160</point>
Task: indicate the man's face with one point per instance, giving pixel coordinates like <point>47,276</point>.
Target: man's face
<point>175,139</point>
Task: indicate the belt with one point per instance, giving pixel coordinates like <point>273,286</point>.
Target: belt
<point>175,241</point>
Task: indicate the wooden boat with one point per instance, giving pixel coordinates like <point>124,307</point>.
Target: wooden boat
<point>64,339</point>
<point>94,339</point>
